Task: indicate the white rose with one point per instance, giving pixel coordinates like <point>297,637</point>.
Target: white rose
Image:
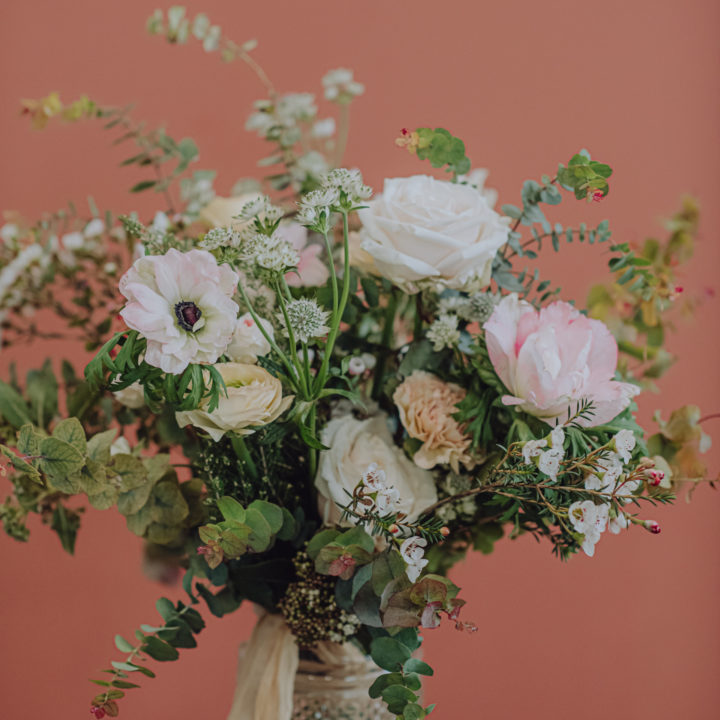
<point>254,398</point>
<point>133,396</point>
<point>355,445</point>
<point>248,343</point>
<point>422,229</point>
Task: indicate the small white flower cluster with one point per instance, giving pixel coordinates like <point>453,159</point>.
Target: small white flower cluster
<point>386,497</point>
<point>280,121</point>
<point>444,333</point>
<point>609,477</point>
<point>341,87</point>
<point>269,252</point>
<point>306,319</point>
<point>220,237</point>
<point>548,460</point>
<point>311,165</point>
<point>592,520</point>
<point>412,552</point>
<point>197,191</point>
<point>16,269</point>
<point>340,189</point>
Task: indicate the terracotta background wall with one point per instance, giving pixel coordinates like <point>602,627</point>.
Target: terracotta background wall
<point>630,633</point>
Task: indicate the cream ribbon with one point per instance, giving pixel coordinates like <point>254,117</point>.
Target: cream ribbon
<point>266,673</point>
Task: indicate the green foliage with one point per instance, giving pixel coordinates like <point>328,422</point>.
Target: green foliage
<point>442,149</point>
<point>253,528</point>
<point>400,685</point>
<point>197,385</point>
<point>181,624</point>
<point>583,175</point>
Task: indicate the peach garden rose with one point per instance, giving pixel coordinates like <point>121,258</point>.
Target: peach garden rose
<point>426,405</point>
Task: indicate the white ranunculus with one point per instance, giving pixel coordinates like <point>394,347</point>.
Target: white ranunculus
<point>254,398</point>
<point>223,212</point>
<point>422,229</point>
<point>356,444</point>
<point>248,342</point>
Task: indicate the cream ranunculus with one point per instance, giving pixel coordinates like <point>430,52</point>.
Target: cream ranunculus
<point>425,230</point>
<point>354,446</point>
<point>254,398</point>
<point>426,405</point>
<point>221,211</point>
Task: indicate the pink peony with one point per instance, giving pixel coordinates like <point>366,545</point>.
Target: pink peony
<point>182,304</point>
<point>552,359</point>
<point>311,270</point>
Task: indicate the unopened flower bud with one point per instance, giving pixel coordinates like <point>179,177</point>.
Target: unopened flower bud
<point>597,195</point>
<point>654,477</point>
<point>444,531</point>
<point>653,526</point>
<point>394,529</point>
<point>97,712</point>
<point>356,366</point>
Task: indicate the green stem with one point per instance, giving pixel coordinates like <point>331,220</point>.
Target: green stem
<point>290,367</point>
<point>385,341</point>
<point>243,454</point>
<point>304,381</point>
<point>337,316</point>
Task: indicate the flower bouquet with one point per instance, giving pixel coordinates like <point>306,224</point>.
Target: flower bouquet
<point>317,398</point>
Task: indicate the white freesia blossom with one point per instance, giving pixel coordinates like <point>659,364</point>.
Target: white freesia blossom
<point>182,304</point>
<point>557,437</point>
<point>624,444</point>
<point>590,520</point>
<point>353,446</point>
<point>254,398</point>
<point>412,552</point>
<point>549,462</point>
<point>425,230</point>
<point>248,341</point>
<point>532,449</point>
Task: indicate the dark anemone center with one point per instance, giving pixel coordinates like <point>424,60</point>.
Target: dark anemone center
<point>187,313</point>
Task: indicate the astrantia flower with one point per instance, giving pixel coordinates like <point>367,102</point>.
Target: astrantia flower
<point>306,319</point>
<point>553,359</point>
<point>260,207</point>
<point>347,182</point>
<point>219,237</point>
<point>479,307</point>
<point>182,304</point>
<point>444,333</point>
